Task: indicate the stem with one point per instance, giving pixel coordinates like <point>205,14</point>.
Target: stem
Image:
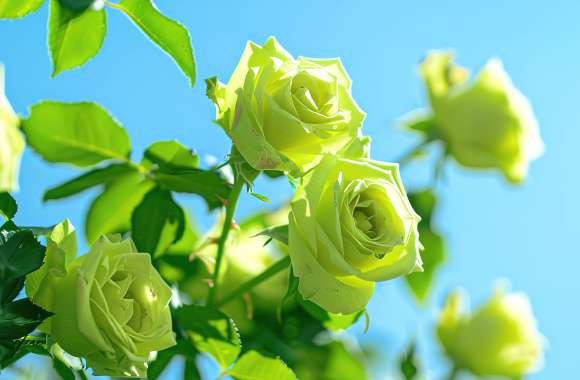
<point>453,373</point>
<point>405,158</point>
<point>230,210</point>
<point>276,268</point>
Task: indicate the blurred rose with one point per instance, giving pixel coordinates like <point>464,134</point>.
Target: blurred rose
<point>486,122</point>
<point>499,339</point>
<point>11,142</point>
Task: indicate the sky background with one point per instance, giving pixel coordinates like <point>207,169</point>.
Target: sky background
<point>493,230</point>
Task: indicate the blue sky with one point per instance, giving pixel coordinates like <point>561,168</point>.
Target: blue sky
<point>493,230</point>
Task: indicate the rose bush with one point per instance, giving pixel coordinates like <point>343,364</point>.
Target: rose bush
<point>351,225</point>
<point>110,306</point>
<point>284,113</point>
<point>501,338</point>
<point>486,122</point>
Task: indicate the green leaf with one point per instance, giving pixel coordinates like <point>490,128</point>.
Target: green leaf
<point>18,8</point>
<point>434,250</point>
<point>211,331</point>
<point>64,371</point>
<point>20,318</point>
<point>255,366</point>
<point>20,254</point>
<point>90,179</point>
<point>207,184</point>
<point>168,34</point>
<point>279,233</point>
<point>334,322</point>
<point>408,363</point>
<point>12,351</point>
<point>111,211</point>
<point>157,222</point>
<point>419,121</point>
<point>74,37</point>
<point>8,206</point>
<point>76,5</point>
<point>171,155</point>
<point>82,134</point>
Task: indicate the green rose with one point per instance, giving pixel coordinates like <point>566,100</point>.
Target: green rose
<point>486,122</point>
<point>11,142</point>
<point>499,339</point>
<point>110,306</point>
<point>284,113</point>
<point>351,225</point>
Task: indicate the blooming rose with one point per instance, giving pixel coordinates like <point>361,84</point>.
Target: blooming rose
<point>110,306</point>
<point>284,113</point>
<point>11,142</point>
<point>499,339</point>
<point>486,122</point>
<point>351,225</point>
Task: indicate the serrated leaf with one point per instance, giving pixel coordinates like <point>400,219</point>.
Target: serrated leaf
<point>168,34</point>
<point>157,222</point>
<point>434,250</point>
<point>111,211</point>
<point>255,366</point>
<point>82,134</point>
<point>280,233</point>
<point>211,331</point>
<point>171,155</point>
<point>74,37</point>
<point>8,206</point>
<point>207,184</point>
<point>20,318</point>
<point>10,9</point>
<point>20,254</point>
<point>90,179</point>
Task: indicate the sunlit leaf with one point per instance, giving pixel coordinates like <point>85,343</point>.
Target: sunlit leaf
<point>82,134</point>
<point>255,366</point>
<point>111,211</point>
<point>74,37</point>
<point>18,8</point>
<point>168,34</point>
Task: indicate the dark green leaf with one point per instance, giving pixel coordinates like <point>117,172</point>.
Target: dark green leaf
<point>12,351</point>
<point>171,155</point>
<point>74,37</point>
<point>76,5</point>
<point>190,370</point>
<point>157,222</point>
<point>63,370</point>
<point>19,255</point>
<point>434,251</point>
<point>279,233</point>
<point>211,331</point>
<point>183,348</point>
<point>8,206</point>
<point>255,366</point>
<point>20,318</point>
<point>408,364</point>
<point>111,211</point>
<point>207,184</point>
<point>168,34</point>
<point>82,134</point>
<point>90,179</point>
<point>18,8</point>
